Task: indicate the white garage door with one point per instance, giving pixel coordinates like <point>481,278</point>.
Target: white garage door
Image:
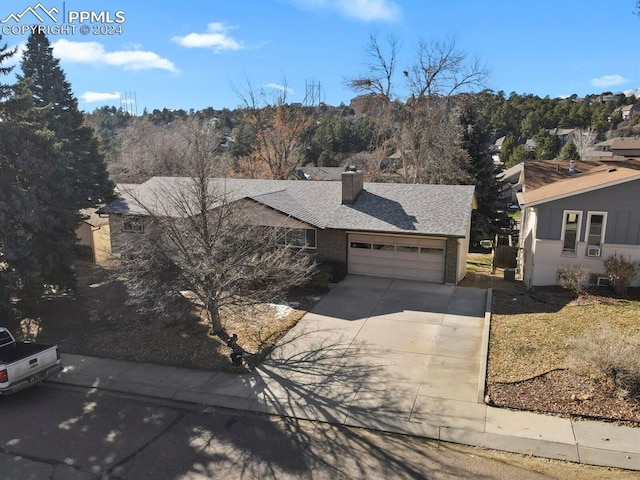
<point>397,257</point>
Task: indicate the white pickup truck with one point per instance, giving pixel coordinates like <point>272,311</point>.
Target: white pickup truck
<point>24,364</point>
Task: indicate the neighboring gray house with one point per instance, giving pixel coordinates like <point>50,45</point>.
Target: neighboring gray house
<point>579,220</point>
<point>393,230</point>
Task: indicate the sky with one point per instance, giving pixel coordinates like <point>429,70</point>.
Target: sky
<point>194,54</point>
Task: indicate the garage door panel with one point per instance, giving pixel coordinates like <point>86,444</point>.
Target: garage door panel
<point>406,263</point>
<point>360,268</point>
<point>383,254</point>
<point>436,263</point>
<point>388,262</point>
<point>383,270</point>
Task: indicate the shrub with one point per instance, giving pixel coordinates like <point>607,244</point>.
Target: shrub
<point>621,272</point>
<point>329,272</point>
<point>572,278</point>
<point>614,356</point>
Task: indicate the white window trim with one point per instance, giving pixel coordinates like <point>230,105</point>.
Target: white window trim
<point>564,226</point>
<point>604,227</point>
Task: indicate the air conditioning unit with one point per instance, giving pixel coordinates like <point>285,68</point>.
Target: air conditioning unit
<point>603,281</point>
<point>593,251</point>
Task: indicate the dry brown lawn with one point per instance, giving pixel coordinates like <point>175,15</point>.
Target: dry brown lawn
<point>98,321</point>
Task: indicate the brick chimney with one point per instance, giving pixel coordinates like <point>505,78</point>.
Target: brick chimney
<point>352,184</point>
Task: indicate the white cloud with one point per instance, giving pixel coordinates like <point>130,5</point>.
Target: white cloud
<point>363,10</point>
<point>277,86</point>
<point>608,81</point>
<point>95,53</point>
<point>17,57</point>
<point>217,37</point>
<point>92,97</point>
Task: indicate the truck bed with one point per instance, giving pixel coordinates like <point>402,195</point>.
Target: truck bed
<point>20,350</point>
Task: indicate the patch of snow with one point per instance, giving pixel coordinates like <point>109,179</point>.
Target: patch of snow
<point>282,310</point>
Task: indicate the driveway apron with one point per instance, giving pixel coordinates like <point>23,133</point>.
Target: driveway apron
<point>379,348</point>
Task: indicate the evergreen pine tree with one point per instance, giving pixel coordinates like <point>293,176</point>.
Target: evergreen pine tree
<point>7,192</point>
<point>476,140</point>
<point>32,251</point>
<point>86,168</point>
<point>50,168</point>
<point>569,151</point>
<point>37,245</point>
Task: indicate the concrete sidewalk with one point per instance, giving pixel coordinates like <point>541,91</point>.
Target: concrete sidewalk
<point>390,355</point>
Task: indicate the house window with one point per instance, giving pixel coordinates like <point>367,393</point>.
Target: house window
<point>407,249</point>
<point>296,237</point>
<point>132,224</point>
<point>570,231</point>
<point>596,224</point>
<point>431,250</point>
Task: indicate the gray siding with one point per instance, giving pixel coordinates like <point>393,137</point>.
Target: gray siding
<point>621,202</point>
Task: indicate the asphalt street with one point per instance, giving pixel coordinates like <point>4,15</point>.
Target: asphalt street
<point>68,433</point>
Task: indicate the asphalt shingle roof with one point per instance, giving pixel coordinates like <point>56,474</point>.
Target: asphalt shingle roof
<point>586,182</point>
<point>380,207</point>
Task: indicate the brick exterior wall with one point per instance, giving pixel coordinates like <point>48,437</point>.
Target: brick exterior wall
<point>352,185</point>
<point>451,262</point>
<point>332,245</point>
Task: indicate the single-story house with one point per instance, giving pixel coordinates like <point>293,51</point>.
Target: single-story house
<point>578,219</point>
<point>408,231</point>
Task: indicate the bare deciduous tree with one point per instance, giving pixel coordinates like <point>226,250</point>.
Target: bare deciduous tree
<point>583,139</point>
<point>425,134</point>
<point>147,149</point>
<point>278,149</point>
<point>381,65</point>
<point>199,240</point>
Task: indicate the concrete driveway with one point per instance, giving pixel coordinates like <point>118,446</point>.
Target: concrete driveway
<point>378,351</point>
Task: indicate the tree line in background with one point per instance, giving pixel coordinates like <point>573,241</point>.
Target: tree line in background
<point>334,134</point>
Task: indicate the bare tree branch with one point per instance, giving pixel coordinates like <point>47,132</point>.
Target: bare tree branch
<point>149,150</point>
<point>425,134</point>
<point>279,149</point>
<point>583,139</point>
